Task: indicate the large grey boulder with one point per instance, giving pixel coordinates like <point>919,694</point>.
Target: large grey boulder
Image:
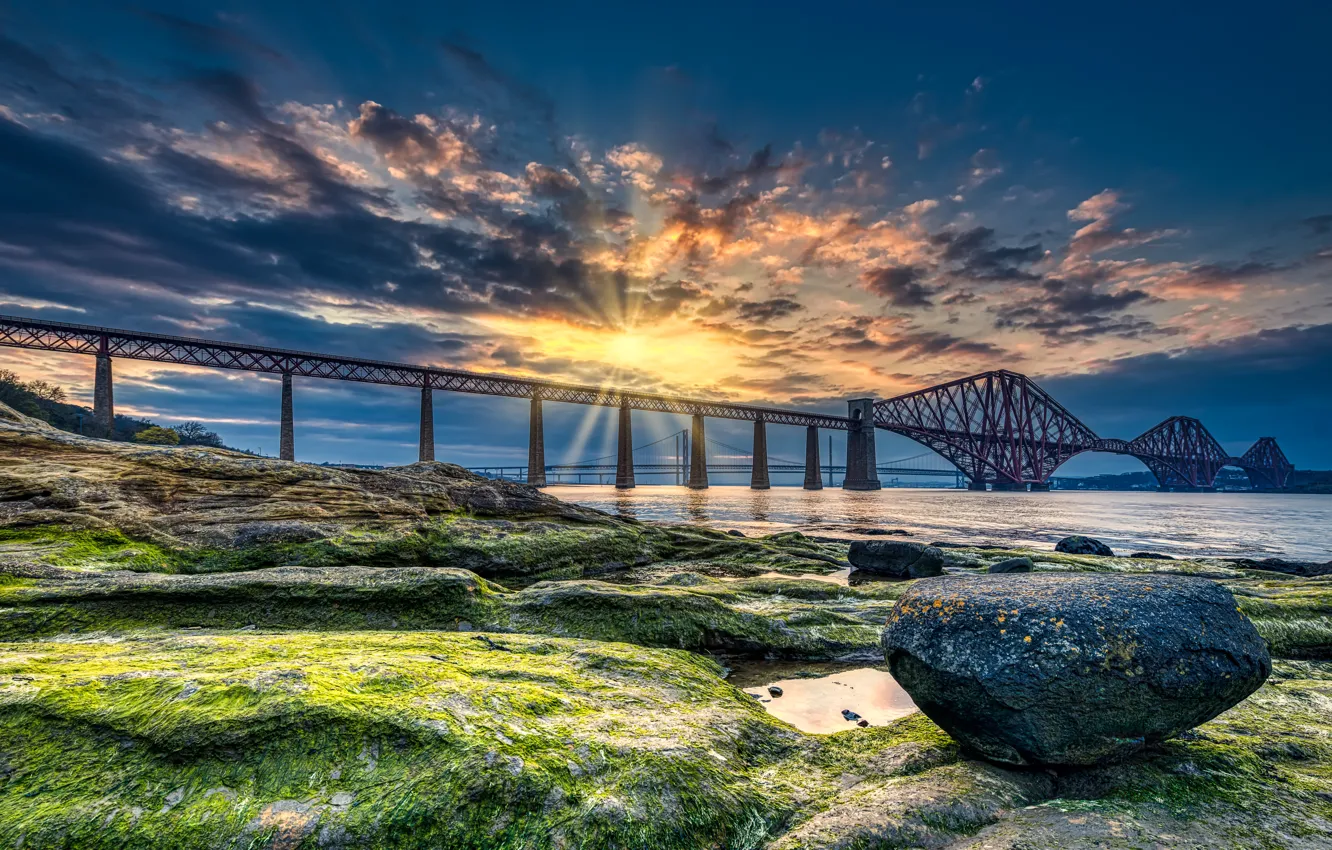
<point>896,558</point>
<point>1071,669</point>
<point>1079,545</point>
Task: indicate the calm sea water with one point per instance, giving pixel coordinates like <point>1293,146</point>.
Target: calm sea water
<point>1183,524</point>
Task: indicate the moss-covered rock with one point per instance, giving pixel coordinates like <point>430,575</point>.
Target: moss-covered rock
<point>428,739</point>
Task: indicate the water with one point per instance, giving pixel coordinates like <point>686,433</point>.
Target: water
<point>1255,525</point>
<point>814,703</point>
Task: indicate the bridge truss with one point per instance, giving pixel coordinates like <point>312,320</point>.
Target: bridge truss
<point>160,348</point>
<point>1002,429</point>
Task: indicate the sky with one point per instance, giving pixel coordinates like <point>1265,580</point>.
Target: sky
<point>792,204</point>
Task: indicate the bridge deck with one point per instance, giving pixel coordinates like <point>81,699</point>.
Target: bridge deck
<point>89,339</point>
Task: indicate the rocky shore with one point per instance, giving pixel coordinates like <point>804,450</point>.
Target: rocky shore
<point>201,649</point>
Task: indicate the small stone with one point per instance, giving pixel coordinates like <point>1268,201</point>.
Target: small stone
<point>849,715</point>
<point>862,723</point>
<point>735,532</point>
<point>774,690</point>
<point>1154,556</point>
<point>755,696</point>
<point>1079,545</point>
<point>248,628</point>
<point>1013,565</point>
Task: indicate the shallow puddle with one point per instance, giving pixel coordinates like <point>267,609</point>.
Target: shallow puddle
<point>840,577</point>
<point>814,703</point>
<point>845,577</point>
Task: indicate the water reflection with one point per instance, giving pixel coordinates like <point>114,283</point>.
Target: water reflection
<point>1182,524</point>
<point>815,703</point>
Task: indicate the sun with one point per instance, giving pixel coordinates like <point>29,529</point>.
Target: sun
<point>626,348</point>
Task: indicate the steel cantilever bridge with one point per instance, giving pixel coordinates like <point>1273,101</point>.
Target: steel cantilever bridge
<point>998,428</point>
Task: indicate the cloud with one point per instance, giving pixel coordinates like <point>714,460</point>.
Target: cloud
<point>899,286</point>
<point>212,38</point>
<point>974,254</point>
<point>423,143</point>
<point>1100,234</point>
<point>1065,310</point>
<point>920,344</point>
<point>761,164</point>
<point>1319,225</point>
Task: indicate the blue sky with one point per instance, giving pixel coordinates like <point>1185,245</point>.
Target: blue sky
<point>784,203</point>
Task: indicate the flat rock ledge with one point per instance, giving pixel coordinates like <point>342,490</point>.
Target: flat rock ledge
<point>1049,669</point>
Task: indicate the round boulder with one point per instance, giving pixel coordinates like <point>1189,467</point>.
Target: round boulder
<point>1079,545</point>
<point>1012,565</point>
<point>1071,669</point>
<point>896,558</point>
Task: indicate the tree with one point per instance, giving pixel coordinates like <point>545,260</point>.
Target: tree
<point>195,434</point>
<point>158,436</point>
<point>46,391</point>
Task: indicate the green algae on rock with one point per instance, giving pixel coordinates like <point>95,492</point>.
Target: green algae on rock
<point>89,504</point>
<point>350,598</point>
<point>427,739</point>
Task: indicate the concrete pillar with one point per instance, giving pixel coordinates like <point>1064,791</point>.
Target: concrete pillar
<point>1040,488</point>
<point>813,478</point>
<point>977,486</point>
<point>536,445</point>
<point>1009,486</point>
<point>287,441</point>
<point>861,459</point>
<point>104,406</point>
<point>426,451</point>
<point>698,455</point>
<point>624,457</point>
<point>758,478</point>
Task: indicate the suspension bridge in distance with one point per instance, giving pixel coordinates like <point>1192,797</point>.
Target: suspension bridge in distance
<point>669,457</point>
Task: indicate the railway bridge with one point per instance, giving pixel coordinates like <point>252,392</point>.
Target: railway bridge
<point>998,428</point>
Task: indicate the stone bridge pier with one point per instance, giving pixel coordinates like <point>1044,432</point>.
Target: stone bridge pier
<point>758,477</point>
<point>862,466</point>
<point>698,455</point>
<point>287,435</point>
<point>426,449</point>
<point>813,476</point>
<point>104,407</point>
<point>536,445</point>
<point>624,454</point>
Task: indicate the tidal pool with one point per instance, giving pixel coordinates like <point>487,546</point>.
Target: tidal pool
<point>814,695</point>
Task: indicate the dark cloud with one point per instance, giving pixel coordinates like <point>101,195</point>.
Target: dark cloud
<point>1319,225</point>
<point>769,310</point>
<point>899,285</point>
<point>761,164</point>
<point>918,344</point>
<point>974,254</point>
<point>236,94</point>
<point>409,144</point>
<point>1063,310</point>
<point>212,38</point>
<point>960,297</point>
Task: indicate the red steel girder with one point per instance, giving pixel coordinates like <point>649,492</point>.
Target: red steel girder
<point>996,426</point>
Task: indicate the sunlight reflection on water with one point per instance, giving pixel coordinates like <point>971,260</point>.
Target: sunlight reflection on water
<point>815,704</point>
<point>1182,524</point>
